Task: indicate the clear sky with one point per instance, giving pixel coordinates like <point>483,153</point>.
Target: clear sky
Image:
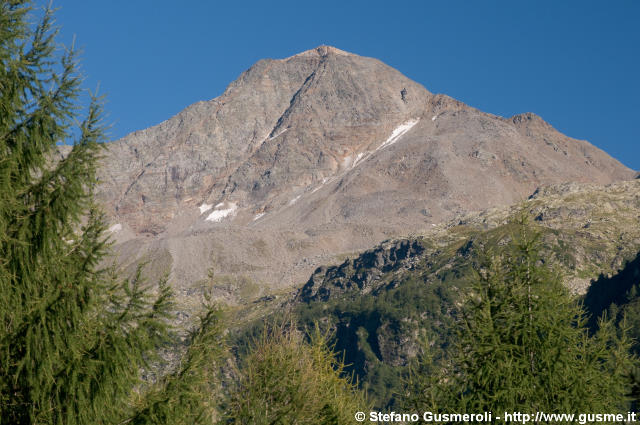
<point>575,63</point>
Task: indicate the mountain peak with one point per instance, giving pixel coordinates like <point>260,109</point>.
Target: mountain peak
<point>326,153</point>
<point>527,116</point>
<point>322,51</point>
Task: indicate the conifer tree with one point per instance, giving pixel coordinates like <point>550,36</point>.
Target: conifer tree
<point>523,346</point>
<point>73,336</point>
<point>189,394</point>
<point>285,380</point>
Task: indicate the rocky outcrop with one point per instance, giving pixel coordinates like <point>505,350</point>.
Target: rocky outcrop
<point>360,273</point>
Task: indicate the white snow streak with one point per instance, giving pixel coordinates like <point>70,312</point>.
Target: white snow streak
<point>258,216</point>
<point>294,200</point>
<point>399,132</point>
<point>358,158</point>
<point>205,207</point>
<point>115,228</point>
<point>273,137</point>
<point>434,118</point>
<point>218,215</point>
<point>325,180</point>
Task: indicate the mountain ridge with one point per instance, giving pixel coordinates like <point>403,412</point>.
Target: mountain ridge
<point>318,154</point>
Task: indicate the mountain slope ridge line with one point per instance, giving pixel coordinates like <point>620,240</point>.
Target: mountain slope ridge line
<point>334,121</point>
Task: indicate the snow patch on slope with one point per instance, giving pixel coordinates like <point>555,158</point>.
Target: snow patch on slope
<point>325,180</point>
<point>115,228</point>
<point>398,132</point>
<point>359,157</point>
<point>205,207</point>
<point>218,214</point>
<point>294,200</point>
<point>273,137</point>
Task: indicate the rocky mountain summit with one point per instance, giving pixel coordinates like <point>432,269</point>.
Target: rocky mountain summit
<point>322,153</point>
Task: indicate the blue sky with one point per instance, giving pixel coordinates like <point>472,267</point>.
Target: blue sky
<point>575,63</point>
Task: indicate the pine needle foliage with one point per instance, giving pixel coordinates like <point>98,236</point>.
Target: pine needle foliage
<point>188,395</point>
<point>288,381</point>
<point>73,337</point>
<point>523,345</point>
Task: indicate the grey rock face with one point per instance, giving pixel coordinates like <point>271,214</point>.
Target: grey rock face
<point>321,153</point>
<point>359,273</point>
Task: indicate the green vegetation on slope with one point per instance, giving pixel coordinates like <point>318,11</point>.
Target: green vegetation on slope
<point>522,345</point>
<point>381,309</point>
<point>285,380</point>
